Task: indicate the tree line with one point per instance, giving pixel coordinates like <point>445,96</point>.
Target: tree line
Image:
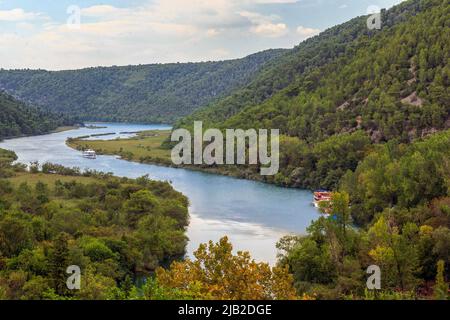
<point>141,94</point>
<point>115,229</point>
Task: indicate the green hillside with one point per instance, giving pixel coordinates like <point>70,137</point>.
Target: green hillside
<point>389,84</point>
<point>17,119</point>
<point>338,41</point>
<point>400,196</point>
<point>143,93</point>
<point>394,85</point>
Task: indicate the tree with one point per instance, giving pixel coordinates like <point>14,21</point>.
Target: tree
<point>39,241</point>
<point>441,286</point>
<point>59,263</point>
<point>311,262</point>
<point>42,192</point>
<point>35,288</point>
<point>141,203</point>
<point>15,236</point>
<point>339,209</point>
<point>217,273</point>
<point>159,236</point>
<point>395,253</point>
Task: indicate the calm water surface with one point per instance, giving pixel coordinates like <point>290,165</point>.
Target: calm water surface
<point>252,214</point>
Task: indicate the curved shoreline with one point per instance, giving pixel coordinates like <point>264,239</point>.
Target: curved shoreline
<point>234,173</point>
<point>57,130</point>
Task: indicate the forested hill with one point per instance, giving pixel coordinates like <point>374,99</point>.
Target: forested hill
<point>308,56</point>
<point>143,93</point>
<point>363,87</point>
<point>18,119</point>
<point>394,83</point>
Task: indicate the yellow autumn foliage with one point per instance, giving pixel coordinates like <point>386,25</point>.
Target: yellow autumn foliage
<point>219,274</point>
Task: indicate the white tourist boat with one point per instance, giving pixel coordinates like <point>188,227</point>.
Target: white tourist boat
<point>321,196</point>
<point>89,154</point>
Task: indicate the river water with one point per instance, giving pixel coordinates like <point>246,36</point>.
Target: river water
<point>253,215</point>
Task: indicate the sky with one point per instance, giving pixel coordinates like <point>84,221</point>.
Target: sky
<point>73,34</point>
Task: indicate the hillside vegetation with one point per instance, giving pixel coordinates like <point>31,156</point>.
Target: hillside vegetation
<point>388,84</point>
<point>401,195</point>
<point>394,84</point>
<point>18,119</point>
<point>145,147</point>
<point>338,41</point>
<point>142,93</point>
<point>114,229</point>
<point>118,231</point>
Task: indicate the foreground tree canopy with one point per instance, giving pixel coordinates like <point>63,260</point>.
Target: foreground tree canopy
<point>216,273</point>
<point>114,229</point>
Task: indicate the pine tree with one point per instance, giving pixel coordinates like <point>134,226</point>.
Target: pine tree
<point>441,286</point>
<point>59,264</point>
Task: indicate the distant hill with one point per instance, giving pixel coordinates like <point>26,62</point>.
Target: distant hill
<point>143,93</point>
<point>18,119</point>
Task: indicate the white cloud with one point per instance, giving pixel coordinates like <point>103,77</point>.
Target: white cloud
<point>265,25</point>
<point>274,1</point>
<point>270,29</point>
<point>212,32</point>
<point>18,14</point>
<point>25,26</point>
<point>161,31</point>
<point>306,32</point>
<point>102,10</point>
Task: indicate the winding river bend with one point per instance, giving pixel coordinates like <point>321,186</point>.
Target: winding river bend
<point>253,215</point>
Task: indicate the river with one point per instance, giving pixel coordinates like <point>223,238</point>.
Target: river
<point>252,214</point>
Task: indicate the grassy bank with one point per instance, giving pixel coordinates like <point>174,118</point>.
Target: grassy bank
<point>147,147</point>
<point>65,128</point>
<point>57,130</point>
<point>49,179</point>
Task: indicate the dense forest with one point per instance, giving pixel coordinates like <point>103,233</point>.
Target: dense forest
<point>393,84</point>
<point>388,84</point>
<point>307,56</point>
<point>401,195</point>
<point>365,113</point>
<point>17,119</point>
<point>371,125</point>
<point>114,229</point>
<point>143,93</point>
<point>370,122</point>
<point>120,232</point>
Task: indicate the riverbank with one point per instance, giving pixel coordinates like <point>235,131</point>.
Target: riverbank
<point>57,130</point>
<point>254,215</point>
<point>65,128</point>
<point>148,147</point>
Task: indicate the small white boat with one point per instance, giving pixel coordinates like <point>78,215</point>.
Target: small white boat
<point>89,154</point>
